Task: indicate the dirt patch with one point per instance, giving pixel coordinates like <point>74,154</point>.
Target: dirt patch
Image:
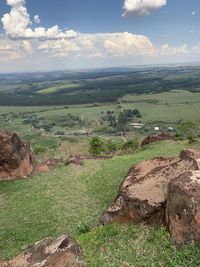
<point>157,138</point>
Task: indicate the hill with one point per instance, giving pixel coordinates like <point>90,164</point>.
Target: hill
<point>71,199</point>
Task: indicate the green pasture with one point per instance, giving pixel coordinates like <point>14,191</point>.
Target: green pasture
<point>55,89</point>
<point>71,200</point>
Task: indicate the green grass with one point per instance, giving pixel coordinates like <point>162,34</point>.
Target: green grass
<point>71,198</point>
<point>166,107</point>
<point>135,246</point>
<point>156,109</point>
<point>169,107</point>
<point>56,89</point>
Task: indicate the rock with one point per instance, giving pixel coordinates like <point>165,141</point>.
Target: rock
<point>48,165</point>
<point>143,194</point>
<point>60,252</point>
<point>156,138</point>
<point>16,157</point>
<point>183,208</point>
<point>74,159</point>
<point>78,159</point>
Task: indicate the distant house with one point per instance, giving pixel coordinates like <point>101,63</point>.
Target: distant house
<point>157,129</point>
<point>137,125</point>
<point>170,129</point>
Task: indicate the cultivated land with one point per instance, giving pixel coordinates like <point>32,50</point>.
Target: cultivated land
<point>58,113</point>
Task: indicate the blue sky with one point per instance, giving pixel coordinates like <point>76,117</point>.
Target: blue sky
<point>170,33</point>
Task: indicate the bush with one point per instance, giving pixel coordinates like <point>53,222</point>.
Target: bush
<point>96,146</point>
<point>99,146</point>
<point>188,130</point>
<point>110,147</point>
<point>132,145</point>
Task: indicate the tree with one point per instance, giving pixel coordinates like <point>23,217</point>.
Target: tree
<point>122,119</point>
<point>96,146</point>
<point>188,130</point>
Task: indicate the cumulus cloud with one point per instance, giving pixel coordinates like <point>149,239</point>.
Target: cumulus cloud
<point>9,52</point>
<point>127,44</point>
<point>17,25</point>
<point>166,49</point>
<point>27,46</point>
<point>100,45</point>
<point>36,19</point>
<point>142,7</point>
<point>59,48</point>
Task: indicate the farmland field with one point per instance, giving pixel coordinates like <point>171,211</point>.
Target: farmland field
<point>156,109</point>
<point>58,88</point>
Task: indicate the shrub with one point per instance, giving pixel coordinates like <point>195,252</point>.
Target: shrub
<point>96,146</point>
<point>99,146</point>
<point>188,130</point>
<point>132,144</point>
<point>110,147</point>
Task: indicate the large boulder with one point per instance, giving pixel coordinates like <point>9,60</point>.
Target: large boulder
<point>157,138</point>
<point>60,252</point>
<point>16,157</point>
<point>143,194</point>
<point>183,208</point>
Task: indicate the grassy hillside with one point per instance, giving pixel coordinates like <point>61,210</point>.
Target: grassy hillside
<point>71,199</point>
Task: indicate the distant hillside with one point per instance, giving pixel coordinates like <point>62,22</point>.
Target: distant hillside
<point>98,86</point>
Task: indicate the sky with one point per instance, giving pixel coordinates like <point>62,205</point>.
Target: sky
<point>47,35</point>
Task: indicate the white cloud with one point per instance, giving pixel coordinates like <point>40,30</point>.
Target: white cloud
<point>196,48</point>
<point>9,51</point>
<point>17,25</point>
<point>166,49</point>
<point>59,48</point>
<point>36,19</point>
<point>27,46</point>
<point>128,44</point>
<point>100,45</point>
<point>142,7</point>
<point>193,13</point>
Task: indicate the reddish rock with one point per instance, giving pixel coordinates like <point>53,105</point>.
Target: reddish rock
<point>143,193</point>
<point>157,138</point>
<point>60,252</point>
<point>78,159</point>
<point>16,157</point>
<point>183,208</point>
<point>48,165</point>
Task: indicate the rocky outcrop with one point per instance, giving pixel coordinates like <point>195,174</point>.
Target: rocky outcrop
<point>157,138</point>
<point>183,208</point>
<point>16,157</point>
<point>60,252</point>
<point>150,186</point>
